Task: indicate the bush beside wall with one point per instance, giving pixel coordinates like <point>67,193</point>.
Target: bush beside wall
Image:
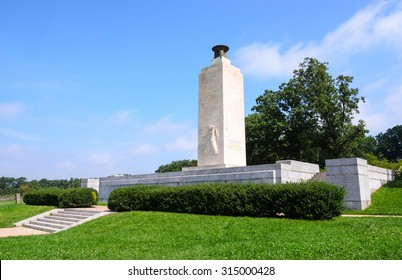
<point>45,196</point>
<point>64,198</point>
<point>78,197</point>
<point>307,200</point>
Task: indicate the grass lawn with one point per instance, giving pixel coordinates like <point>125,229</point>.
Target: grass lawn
<point>11,213</point>
<point>155,235</point>
<point>385,201</point>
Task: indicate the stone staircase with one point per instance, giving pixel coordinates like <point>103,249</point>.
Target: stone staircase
<point>319,177</point>
<point>62,219</point>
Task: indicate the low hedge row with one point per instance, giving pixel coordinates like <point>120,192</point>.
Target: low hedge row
<point>307,200</point>
<point>64,198</point>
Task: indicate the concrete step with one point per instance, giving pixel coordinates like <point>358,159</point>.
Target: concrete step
<point>49,220</point>
<point>319,177</point>
<point>60,218</point>
<point>41,228</point>
<point>71,215</point>
<point>49,225</point>
<point>85,212</point>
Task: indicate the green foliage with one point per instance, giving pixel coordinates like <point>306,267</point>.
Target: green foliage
<point>64,184</point>
<point>176,165</point>
<point>64,198</point>
<point>307,119</point>
<point>11,183</point>
<point>77,197</point>
<point>308,200</point>
<point>8,191</point>
<point>380,162</point>
<point>48,196</point>
<point>366,146</point>
<point>390,144</point>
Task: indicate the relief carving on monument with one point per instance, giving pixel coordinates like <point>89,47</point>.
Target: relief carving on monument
<point>210,141</point>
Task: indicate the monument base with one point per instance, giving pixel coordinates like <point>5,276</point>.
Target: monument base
<point>279,172</point>
<point>208,167</point>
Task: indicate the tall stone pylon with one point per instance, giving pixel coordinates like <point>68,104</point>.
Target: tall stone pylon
<point>221,128</point>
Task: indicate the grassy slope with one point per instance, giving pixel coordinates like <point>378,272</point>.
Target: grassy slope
<point>11,213</point>
<point>152,235</point>
<point>385,201</point>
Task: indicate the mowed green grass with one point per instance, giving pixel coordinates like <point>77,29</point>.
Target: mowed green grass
<point>155,235</point>
<point>385,201</point>
<point>11,213</point>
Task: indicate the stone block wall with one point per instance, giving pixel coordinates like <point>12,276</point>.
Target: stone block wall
<point>359,178</point>
<point>378,176</point>
<point>281,171</point>
<point>90,183</point>
<point>296,171</point>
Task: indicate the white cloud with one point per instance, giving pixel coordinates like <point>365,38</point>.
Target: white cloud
<point>18,135</point>
<point>101,159</point>
<point>393,103</point>
<point>165,124</point>
<point>144,150</point>
<point>13,149</point>
<point>66,165</point>
<point>386,114</point>
<point>376,26</point>
<point>10,110</point>
<point>184,143</point>
<point>266,60</point>
<point>122,117</point>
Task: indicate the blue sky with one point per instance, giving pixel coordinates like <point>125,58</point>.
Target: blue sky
<point>95,88</point>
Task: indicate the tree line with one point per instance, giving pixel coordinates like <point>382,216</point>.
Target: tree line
<point>310,118</point>
<point>10,185</point>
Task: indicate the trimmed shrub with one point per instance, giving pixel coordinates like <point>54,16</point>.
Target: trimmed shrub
<point>307,200</point>
<point>45,196</point>
<point>64,198</point>
<point>77,197</point>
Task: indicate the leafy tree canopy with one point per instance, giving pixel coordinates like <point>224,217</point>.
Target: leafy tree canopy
<point>176,165</point>
<point>389,144</point>
<point>308,118</point>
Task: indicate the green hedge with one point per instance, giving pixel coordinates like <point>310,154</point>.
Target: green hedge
<point>78,197</point>
<point>65,198</point>
<point>45,196</point>
<point>307,200</point>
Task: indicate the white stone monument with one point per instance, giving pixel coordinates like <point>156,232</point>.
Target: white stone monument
<point>221,129</point>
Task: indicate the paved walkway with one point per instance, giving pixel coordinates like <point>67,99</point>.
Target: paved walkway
<point>375,216</point>
<point>19,231</point>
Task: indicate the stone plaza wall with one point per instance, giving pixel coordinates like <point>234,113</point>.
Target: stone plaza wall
<point>281,171</point>
<point>359,178</point>
<point>378,176</point>
<point>90,183</point>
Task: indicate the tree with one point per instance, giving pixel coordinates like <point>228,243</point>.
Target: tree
<point>10,182</point>
<point>176,165</point>
<point>389,144</point>
<point>308,118</point>
<point>366,147</point>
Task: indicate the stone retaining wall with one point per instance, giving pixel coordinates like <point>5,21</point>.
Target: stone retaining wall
<point>281,171</point>
<point>359,178</point>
